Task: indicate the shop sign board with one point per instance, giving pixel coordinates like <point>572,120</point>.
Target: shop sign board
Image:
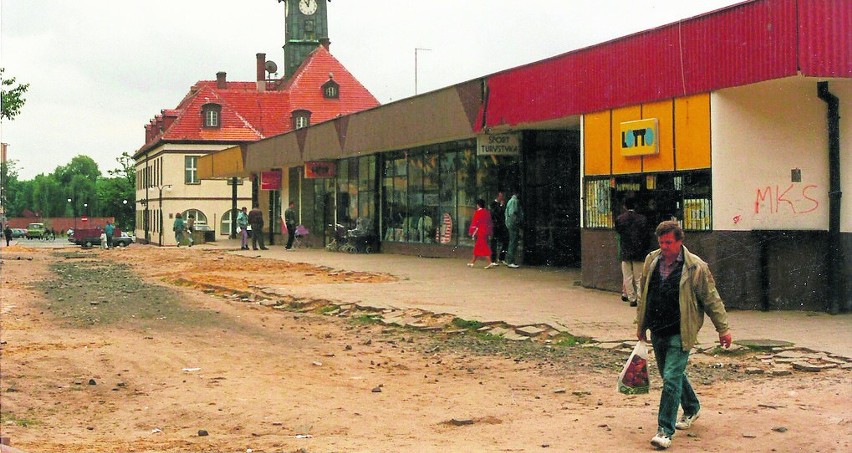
<point>270,180</point>
<point>640,138</point>
<point>508,144</point>
<point>320,169</point>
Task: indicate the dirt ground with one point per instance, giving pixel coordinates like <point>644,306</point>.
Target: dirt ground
<point>161,350</point>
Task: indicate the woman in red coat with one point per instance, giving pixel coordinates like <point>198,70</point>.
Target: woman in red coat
<point>481,230</point>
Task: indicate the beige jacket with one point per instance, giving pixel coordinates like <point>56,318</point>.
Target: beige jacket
<point>698,295</point>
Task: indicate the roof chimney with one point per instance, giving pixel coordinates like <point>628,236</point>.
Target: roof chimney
<point>221,82</point>
<point>325,42</point>
<point>261,72</point>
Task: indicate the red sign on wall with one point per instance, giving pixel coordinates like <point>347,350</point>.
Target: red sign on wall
<point>270,180</point>
<point>320,169</point>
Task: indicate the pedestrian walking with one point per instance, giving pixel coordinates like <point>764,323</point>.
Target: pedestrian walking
<point>255,218</point>
<point>7,232</point>
<point>514,217</point>
<point>500,238</point>
<point>677,290</point>
<point>481,230</point>
<point>178,227</point>
<point>634,236</point>
<point>190,227</point>
<point>242,223</point>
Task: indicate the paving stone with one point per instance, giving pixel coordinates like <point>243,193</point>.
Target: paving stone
<point>780,372</point>
<point>752,370</point>
<point>529,331</point>
<point>515,337</point>
<point>499,331</point>
<point>764,343</point>
<point>805,366</point>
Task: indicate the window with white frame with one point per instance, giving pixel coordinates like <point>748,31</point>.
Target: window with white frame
<point>301,119</point>
<point>211,114</point>
<point>191,170</point>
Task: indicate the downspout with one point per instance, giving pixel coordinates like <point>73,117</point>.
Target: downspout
<point>836,282</point>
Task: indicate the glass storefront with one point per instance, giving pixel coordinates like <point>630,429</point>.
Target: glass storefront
<point>683,196</point>
<point>429,193</point>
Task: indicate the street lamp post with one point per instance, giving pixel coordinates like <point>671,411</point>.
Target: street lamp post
<point>73,213</point>
<point>160,189</point>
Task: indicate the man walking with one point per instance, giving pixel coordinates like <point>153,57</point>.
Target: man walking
<point>632,229</point>
<point>242,223</point>
<point>255,218</point>
<point>513,225</point>
<point>500,237</point>
<point>677,290</point>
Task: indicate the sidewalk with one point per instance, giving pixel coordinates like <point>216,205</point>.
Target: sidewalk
<point>534,295</point>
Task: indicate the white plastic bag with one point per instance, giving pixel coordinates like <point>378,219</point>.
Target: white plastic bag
<point>634,379</point>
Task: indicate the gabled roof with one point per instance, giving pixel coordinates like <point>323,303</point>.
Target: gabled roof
<point>306,93</point>
<point>248,114</point>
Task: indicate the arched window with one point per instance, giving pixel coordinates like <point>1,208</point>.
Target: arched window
<point>211,114</point>
<point>200,219</point>
<point>225,223</point>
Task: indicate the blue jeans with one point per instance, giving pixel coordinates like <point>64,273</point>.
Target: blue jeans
<point>671,360</point>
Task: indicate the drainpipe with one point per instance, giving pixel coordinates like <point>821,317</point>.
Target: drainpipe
<point>836,289</point>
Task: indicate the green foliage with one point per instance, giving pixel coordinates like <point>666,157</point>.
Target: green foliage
<point>12,97</point>
<point>466,324</point>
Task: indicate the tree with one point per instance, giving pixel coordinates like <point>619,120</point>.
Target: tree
<point>10,189</point>
<point>13,98</point>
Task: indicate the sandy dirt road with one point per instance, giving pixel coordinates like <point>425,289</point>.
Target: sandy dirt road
<point>187,359</point>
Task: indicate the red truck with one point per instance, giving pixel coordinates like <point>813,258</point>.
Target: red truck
<point>88,237</point>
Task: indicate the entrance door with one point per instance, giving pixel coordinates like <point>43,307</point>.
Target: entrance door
<point>551,198</point>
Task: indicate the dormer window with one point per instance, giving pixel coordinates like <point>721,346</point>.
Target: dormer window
<point>301,118</point>
<point>212,114</point>
<point>330,89</point>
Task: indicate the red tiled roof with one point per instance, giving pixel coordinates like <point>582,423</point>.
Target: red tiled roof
<point>249,115</point>
<point>306,92</point>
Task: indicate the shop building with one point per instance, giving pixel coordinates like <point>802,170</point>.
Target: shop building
<point>730,122</point>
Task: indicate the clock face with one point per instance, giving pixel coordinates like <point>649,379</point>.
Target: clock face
<point>308,7</point>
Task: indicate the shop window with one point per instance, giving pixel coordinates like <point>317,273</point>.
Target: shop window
<point>684,196</point>
<point>598,209</point>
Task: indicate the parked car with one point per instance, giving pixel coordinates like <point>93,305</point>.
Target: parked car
<point>36,230</point>
<point>89,237</point>
<point>19,232</point>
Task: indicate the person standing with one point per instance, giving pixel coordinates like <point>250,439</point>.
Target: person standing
<point>190,227</point>
<point>500,239</point>
<point>481,229</point>
<point>255,218</point>
<point>109,230</point>
<point>677,290</point>
<point>632,229</point>
<point>242,223</point>
<point>8,233</point>
<point>513,225</point>
<point>290,221</point>
<point>179,226</point>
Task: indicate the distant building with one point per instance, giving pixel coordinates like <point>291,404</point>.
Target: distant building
<point>216,115</point>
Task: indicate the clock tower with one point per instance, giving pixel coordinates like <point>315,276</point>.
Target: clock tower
<point>306,23</point>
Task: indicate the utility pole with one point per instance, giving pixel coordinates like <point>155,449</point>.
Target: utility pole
<point>416,49</point>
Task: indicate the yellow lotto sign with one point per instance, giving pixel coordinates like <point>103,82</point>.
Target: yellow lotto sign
<point>640,138</point>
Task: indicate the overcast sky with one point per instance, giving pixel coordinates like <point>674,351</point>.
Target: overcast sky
<point>99,70</point>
